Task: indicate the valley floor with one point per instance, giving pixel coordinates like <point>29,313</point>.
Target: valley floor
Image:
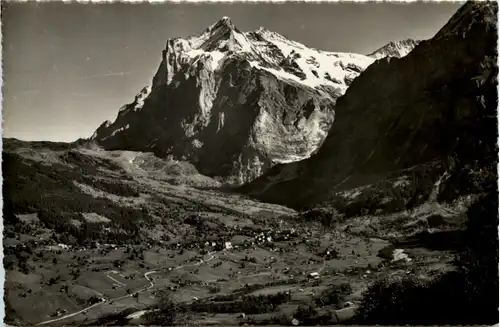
<point>217,255</point>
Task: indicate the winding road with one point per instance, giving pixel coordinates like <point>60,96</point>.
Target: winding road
<point>151,285</point>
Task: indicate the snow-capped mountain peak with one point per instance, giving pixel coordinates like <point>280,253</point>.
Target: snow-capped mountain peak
<point>235,103</point>
<point>270,51</point>
<point>222,36</point>
<point>396,49</point>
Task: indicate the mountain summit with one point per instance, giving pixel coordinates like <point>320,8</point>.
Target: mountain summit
<point>396,49</point>
<point>235,103</point>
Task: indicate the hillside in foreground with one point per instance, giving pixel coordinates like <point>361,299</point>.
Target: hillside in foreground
<point>84,225</point>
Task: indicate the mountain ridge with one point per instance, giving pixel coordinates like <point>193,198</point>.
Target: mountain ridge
<point>397,49</point>
<point>441,110</point>
<point>264,98</point>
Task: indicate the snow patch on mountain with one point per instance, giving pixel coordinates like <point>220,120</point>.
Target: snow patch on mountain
<point>316,64</point>
<point>141,97</point>
<point>121,129</point>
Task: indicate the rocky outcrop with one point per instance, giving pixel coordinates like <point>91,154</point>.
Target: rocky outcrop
<point>439,100</point>
<point>234,103</point>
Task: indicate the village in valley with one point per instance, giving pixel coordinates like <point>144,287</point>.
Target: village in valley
<point>220,264</point>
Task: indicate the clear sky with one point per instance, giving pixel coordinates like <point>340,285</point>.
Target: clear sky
<point>69,67</point>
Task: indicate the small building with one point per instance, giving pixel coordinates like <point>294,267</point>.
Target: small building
<point>399,255</point>
<point>313,275</point>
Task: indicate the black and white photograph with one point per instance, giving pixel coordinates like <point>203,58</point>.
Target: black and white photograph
<point>249,163</point>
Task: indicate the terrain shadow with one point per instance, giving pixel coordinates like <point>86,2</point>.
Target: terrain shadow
<point>439,241</point>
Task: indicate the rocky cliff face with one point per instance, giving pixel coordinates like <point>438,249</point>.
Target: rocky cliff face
<point>437,101</point>
<point>396,49</point>
<point>235,103</point>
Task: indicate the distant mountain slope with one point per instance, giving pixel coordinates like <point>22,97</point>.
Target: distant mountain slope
<point>235,103</point>
<point>436,102</point>
<point>397,49</point>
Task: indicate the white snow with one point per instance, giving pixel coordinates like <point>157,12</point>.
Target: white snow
<point>217,59</point>
<point>241,42</point>
<point>290,158</point>
<point>322,62</point>
<point>397,49</point>
<point>121,129</point>
<point>281,74</point>
<point>220,122</point>
<point>315,64</point>
<point>141,97</point>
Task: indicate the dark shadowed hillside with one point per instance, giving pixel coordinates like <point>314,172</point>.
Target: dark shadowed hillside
<point>437,103</point>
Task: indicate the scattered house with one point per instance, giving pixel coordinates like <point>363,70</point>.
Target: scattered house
<point>399,255</point>
<point>63,246</point>
<point>313,275</point>
<point>295,322</point>
<point>228,245</point>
